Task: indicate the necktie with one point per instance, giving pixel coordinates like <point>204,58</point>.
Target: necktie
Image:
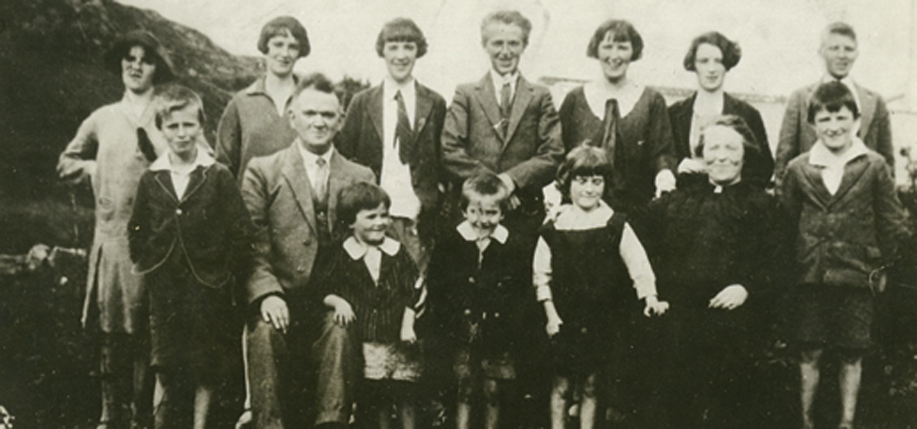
<point>403,131</point>
<point>506,106</point>
<point>320,186</point>
<point>610,136</point>
<point>482,244</point>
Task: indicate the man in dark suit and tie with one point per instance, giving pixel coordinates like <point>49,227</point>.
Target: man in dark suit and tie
<point>394,129</point>
<point>839,51</point>
<point>505,125</point>
<point>292,196</point>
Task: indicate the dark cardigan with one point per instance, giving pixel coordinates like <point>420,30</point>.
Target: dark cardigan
<point>209,223</point>
<point>758,169</point>
<point>644,141</point>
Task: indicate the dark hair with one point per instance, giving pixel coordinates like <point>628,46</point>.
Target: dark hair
<point>737,124</point>
<point>487,185</point>
<point>401,30</point>
<point>623,31</point>
<point>510,17</point>
<point>177,97</point>
<point>279,26</point>
<point>831,96</point>
<point>318,82</point>
<point>731,51</point>
<point>584,160</point>
<point>151,48</point>
<point>358,197</point>
<point>841,28</point>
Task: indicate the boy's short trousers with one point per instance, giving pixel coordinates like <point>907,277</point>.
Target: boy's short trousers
<point>498,366</point>
<point>834,316</point>
<point>400,362</point>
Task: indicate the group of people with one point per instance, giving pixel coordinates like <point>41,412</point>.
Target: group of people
<point>406,243</point>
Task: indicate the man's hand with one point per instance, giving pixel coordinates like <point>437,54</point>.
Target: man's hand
<point>730,298</point>
<point>274,311</point>
<point>691,165</point>
<point>511,187</point>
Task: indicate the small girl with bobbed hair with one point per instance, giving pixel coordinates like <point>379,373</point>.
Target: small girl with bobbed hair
<point>585,260</point>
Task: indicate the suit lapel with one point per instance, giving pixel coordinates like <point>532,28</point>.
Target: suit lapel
<point>375,111</point>
<point>195,181</point>
<point>422,108</point>
<point>295,174</point>
<point>520,101</point>
<point>682,122</point>
<point>867,110</point>
<point>484,91</point>
<point>164,178</point>
<point>852,172</point>
<point>814,181</point>
<point>337,180</point>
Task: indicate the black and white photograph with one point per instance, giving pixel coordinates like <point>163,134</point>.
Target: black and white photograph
<point>458,214</point>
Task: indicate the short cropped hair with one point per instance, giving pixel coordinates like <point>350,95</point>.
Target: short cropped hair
<point>737,124</point>
<point>841,28</point>
<point>485,185</point>
<point>176,97</point>
<point>279,26</point>
<point>358,197</point>
<point>401,30</point>
<point>152,50</point>
<point>831,96</point>
<point>318,82</point>
<point>584,160</point>
<point>731,51</point>
<point>509,17</point>
<point>622,31</point>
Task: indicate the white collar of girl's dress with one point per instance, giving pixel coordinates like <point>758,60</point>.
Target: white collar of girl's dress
<point>203,159</point>
<point>469,234</point>
<point>357,250</point>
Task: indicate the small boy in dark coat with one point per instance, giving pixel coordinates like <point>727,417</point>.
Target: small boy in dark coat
<point>189,235</point>
<point>842,198</point>
<point>479,282</point>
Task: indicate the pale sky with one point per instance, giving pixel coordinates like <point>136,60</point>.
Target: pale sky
<point>779,38</point>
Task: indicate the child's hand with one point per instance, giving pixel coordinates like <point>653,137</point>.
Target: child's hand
<point>654,307</point>
<point>408,335</point>
<point>343,313</point>
<point>553,326</point>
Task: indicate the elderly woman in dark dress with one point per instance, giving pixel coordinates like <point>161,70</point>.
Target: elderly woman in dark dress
<point>623,117</point>
<point>710,57</point>
<point>717,243</point>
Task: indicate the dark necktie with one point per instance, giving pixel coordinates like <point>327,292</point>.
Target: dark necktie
<point>610,128</point>
<point>506,106</point>
<point>320,186</point>
<point>403,132</point>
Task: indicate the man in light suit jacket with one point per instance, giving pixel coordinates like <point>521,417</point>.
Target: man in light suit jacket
<point>394,129</point>
<point>292,196</point>
<point>505,125</point>
<point>839,51</point>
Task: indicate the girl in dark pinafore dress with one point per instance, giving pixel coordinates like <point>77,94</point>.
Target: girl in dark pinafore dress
<point>585,261</point>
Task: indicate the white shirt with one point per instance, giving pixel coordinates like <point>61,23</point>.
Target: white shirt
<point>831,164</point>
<point>395,177</point>
<point>372,255</point>
<point>309,161</point>
<point>571,218</point>
<point>499,81</point>
<point>180,179</point>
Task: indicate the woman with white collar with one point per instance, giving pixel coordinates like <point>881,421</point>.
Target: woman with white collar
<point>623,117</point>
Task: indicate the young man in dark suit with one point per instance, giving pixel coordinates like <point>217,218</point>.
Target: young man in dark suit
<point>394,129</point>
<point>505,125</point>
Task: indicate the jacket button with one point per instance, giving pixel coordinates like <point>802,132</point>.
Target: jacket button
<point>471,280</point>
<point>178,212</point>
<point>497,315</point>
<point>468,312</point>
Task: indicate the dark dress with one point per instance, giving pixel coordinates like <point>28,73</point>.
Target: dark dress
<point>708,238</point>
<point>644,145</point>
<point>592,293</point>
